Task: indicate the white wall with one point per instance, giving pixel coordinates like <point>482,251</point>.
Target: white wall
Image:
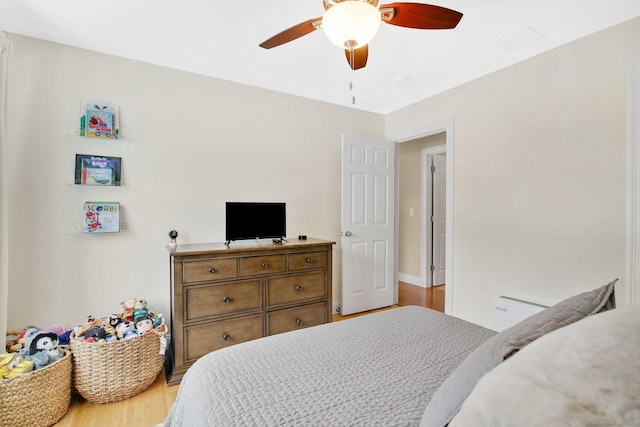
<point>539,173</point>
<point>195,142</point>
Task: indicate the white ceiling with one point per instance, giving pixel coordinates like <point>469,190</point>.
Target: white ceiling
<point>220,39</point>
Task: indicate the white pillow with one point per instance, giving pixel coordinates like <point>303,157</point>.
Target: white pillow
<point>587,373</point>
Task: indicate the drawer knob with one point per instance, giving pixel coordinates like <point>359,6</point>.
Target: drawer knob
<point>298,321</point>
<point>226,299</point>
<point>212,270</point>
<point>265,265</point>
<point>226,337</point>
<point>309,260</point>
<point>299,288</point>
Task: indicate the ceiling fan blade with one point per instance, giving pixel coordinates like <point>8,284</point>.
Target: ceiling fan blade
<point>420,16</point>
<point>360,56</point>
<point>295,32</point>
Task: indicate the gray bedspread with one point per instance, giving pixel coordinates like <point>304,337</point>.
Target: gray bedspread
<point>375,370</point>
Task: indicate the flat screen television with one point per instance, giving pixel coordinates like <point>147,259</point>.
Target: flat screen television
<point>255,220</point>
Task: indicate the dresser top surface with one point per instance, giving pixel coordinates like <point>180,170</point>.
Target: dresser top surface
<point>245,246</point>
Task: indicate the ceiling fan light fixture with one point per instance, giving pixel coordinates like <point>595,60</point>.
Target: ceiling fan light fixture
<point>351,24</point>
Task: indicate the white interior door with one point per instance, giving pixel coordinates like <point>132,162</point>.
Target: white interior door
<point>368,242</point>
<point>439,219</point>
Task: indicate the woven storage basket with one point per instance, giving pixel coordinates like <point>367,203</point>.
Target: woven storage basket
<point>113,371</point>
<point>38,398</point>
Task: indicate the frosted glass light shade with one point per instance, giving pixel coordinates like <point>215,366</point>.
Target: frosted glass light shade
<point>351,23</point>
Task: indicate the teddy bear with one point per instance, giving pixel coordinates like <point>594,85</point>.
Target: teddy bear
<point>140,309</point>
<point>127,307</point>
<point>82,329</point>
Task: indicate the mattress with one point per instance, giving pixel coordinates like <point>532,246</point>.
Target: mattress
<point>379,369</point>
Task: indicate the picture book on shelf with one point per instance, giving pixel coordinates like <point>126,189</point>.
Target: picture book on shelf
<point>99,120</point>
<point>101,217</point>
<point>97,170</point>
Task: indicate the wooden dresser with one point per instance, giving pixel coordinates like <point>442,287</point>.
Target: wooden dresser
<point>222,295</point>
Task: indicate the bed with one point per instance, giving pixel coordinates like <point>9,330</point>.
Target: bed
<point>406,366</point>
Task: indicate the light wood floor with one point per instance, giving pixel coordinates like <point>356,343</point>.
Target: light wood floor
<point>152,406</point>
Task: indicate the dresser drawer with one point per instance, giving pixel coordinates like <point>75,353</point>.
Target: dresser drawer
<point>296,318</point>
<point>307,260</point>
<point>203,301</point>
<point>211,269</point>
<point>202,339</point>
<point>296,288</point>
<point>251,266</point>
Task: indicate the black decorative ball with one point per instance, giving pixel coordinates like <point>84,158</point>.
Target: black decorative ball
<point>173,234</point>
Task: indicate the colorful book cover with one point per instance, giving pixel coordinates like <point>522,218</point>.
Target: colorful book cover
<point>101,217</point>
<point>99,120</point>
<point>97,170</point>
<point>99,124</point>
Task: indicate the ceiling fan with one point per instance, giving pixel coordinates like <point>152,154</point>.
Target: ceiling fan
<point>351,24</point>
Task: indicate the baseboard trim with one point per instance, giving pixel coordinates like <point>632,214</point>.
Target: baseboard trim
<point>412,280</point>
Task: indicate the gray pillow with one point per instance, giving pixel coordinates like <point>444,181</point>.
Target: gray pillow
<point>447,400</point>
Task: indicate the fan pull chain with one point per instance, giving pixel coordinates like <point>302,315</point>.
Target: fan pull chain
<point>353,75</point>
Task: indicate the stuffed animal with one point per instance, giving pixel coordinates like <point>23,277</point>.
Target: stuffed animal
<point>140,309</point>
<point>110,331</point>
<point>144,325</point>
<point>65,337</point>
<point>39,360</point>
<point>126,329</point>
<point>44,349</point>
<point>48,343</point>
<point>82,329</point>
<point>127,307</point>
<point>113,320</point>
<point>24,340</point>
<point>12,365</point>
<point>95,333</point>
<point>158,320</point>
<point>12,340</point>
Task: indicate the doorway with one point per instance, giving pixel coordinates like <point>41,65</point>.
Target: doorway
<point>412,265</point>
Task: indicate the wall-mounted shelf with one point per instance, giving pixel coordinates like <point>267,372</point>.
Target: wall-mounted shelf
<point>76,228</point>
<point>124,182</point>
<point>76,133</point>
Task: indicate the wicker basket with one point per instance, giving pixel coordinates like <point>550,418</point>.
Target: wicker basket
<point>38,398</point>
<point>113,371</point>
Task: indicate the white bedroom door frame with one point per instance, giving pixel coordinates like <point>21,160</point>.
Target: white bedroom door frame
<point>446,126</point>
<point>632,284</point>
<point>426,236</point>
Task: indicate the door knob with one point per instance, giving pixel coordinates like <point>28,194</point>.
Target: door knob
<point>348,233</point>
